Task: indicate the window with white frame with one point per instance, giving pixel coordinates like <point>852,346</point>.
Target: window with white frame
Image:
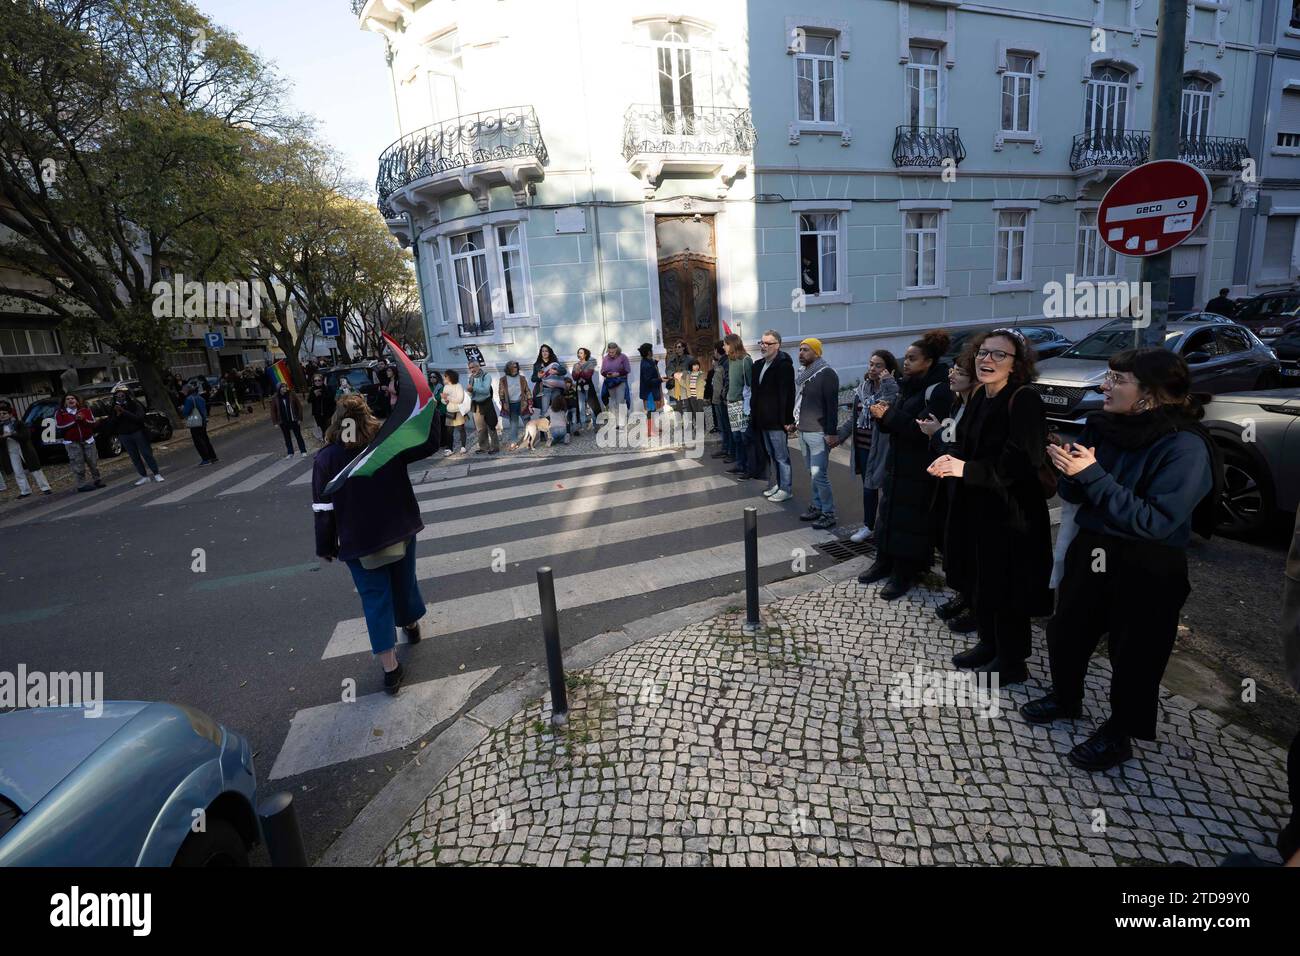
<point>441,288</point>
<point>1106,103</point>
<point>1094,257</point>
<point>489,273</point>
<point>921,249</point>
<point>1279,248</point>
<point>814,67</point>
<point>1194,123</point>
<point>1009,252</point>
<point>819,248</point>
<point>28,342</point>
<point>1017,93</point>
<point>923,86</point>
<point>1288,120</point>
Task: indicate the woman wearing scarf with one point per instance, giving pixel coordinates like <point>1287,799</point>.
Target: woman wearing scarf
<point>870,444</point>
<point>999,536</point>
<point>516,401</point>
<point>905,531</point>
<point>1143,474</point>
<point>740,373</point>
<point>584,371</point>
<point>651,386</point>
<point>614,395</point>
<point>943,441</point>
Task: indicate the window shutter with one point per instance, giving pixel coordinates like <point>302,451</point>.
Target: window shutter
<point>1288,120</point>
<point>1279,238</point>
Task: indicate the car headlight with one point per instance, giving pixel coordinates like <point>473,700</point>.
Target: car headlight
<point>1271,330</point>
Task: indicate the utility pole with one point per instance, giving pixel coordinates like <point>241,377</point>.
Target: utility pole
<point>1166,117</point>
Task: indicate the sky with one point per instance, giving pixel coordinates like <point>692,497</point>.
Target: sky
<point>336,70</point>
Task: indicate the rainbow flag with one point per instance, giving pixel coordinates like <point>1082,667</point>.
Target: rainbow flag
<point>280,371</point>
<point>406,427</point>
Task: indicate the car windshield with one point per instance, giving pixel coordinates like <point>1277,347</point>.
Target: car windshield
<point>1273,305</point>
<point>1105,342</point>
<point>356,377</point>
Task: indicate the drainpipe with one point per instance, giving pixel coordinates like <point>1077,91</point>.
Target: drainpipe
<point>591,187</point>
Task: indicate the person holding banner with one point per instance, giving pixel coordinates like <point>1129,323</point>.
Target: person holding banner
<point>365,510</point>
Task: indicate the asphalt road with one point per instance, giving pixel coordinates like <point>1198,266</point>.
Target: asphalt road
<point>265,639</point>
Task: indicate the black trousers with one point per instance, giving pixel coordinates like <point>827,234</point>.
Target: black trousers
<point>1008,631</point>
<point>292,428</point>
<point>203,444</point>
<point>1132,592</point>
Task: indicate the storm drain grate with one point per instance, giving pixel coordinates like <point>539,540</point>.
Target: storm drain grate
<point>845,550</point>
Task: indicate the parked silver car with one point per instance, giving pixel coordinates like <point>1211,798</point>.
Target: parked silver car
<point>1223,356</point>
<point>1259,433</point>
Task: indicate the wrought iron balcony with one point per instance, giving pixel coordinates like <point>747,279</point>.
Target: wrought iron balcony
<point>927,147</point>
<point>1101,149</point>
<point>358,6</point>
<point>717,141</point>
<point>467,154</point>
<point>649,128</point>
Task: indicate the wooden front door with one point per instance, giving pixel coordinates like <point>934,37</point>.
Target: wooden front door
<point>688,284</point>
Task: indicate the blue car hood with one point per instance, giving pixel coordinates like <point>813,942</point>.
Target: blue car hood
<point>41,746</point>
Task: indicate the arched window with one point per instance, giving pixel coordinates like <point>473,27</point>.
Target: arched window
<point>1195,120</point>
<point>1106,106</point>
<point>683,75</point>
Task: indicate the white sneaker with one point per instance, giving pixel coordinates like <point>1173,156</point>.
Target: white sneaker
<point>781,496</point>
<point>771,491</point>
<point>142,481</point>
<point>446,453</point>
<point>157,477</point>
<point>290,455</point>
<point>860,535</point>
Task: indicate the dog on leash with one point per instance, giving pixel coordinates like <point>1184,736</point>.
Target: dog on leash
<point>538,429</point>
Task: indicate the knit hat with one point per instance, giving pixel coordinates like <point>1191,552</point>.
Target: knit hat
<point>814,344</point>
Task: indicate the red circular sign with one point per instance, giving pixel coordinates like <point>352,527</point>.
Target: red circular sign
<point>1153,207</point>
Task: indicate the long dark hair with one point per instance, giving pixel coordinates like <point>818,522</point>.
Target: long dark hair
<point>546,348</point>
<point>1164,374</point>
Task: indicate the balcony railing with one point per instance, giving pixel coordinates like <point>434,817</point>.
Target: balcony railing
<point>1103,148</point>
<point>358,6</point>
<point>654,129</point>
<point>927,146</point>
<point>476,139</point>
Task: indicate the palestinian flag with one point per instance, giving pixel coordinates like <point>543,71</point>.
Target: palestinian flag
<point>406,427</point>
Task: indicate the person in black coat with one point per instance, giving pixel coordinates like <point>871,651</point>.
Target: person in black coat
<point>322,403</point>
<point>126,420</point>
<point>651,387</point>
<point>771,410</point>
<point>906,533</point>
<point>999,535</point>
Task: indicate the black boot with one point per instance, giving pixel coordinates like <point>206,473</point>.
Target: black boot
<point>976,656</point>
<point>963,623</point>
<point>1047,709</point>
<point>393,680</point>
<point>950,609</point>
<point>412,633</point>
<point>899,584</point>
<point>877,572</point>
<point>1104,749</point>
<point>1012,672</point>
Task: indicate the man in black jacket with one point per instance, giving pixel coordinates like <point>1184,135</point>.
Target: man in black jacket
<point>817,408</point>
<point>126,420</point>
<point>1221,304</point>
<point>772,411</point>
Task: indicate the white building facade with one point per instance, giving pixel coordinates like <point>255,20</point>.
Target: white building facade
<point>584,171</point>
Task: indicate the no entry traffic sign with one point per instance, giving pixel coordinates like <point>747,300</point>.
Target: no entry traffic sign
<point>1153,207</point>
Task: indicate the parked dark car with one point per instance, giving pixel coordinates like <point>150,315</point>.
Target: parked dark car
<point>1267,313</point>
<point>97,398</point>
<point>362,378</point>
<point>1287,347</point>
<point>1224,357</point>
<point>1259,433</point>
<point>1045,339</point>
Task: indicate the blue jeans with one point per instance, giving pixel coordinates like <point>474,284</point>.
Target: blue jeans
<point>724,428</point>
<point>778,451</point>
<point>817,455</point>
<point>514,423</point>
<point>390,598</point>
<point>740,448</point>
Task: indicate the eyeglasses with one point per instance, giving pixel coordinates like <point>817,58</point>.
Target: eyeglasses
<point>996,355</point>
<point>1112,379</point>
<point>765,342</point>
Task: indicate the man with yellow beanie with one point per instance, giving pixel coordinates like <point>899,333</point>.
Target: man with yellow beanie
<point>816,418</point>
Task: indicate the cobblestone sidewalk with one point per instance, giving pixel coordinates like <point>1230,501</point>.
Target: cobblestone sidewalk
<point>706,747</point>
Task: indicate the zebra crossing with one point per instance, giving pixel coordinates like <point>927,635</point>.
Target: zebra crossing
<point>615,529</point>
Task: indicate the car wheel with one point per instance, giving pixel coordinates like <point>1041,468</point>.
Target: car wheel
<point>112,448</point>
<point>220,845</point>
<point>165,432</point>
<point>1246,502</point>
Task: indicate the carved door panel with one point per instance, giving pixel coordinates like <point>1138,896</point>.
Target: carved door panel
<point>688,304</point>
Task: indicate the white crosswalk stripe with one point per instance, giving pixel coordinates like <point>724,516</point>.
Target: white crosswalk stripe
<point>477,474</point>
<point>216,478</point>
<point>263,476</point>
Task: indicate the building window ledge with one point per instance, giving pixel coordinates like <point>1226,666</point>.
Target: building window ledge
<point>1285,151</point>
<point>830,298</point>
<point>996,287</point>
<point>926,293</point>
<point>1273,281</point>
<point>842,130</point>
<point>1002,137</point>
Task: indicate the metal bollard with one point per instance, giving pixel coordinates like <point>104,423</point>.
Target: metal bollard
<point>751,571</point>
<point>554,659</point>
<point>280,829</point>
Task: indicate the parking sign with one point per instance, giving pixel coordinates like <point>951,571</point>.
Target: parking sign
<point>215,340</point>
<point>329,326</point>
